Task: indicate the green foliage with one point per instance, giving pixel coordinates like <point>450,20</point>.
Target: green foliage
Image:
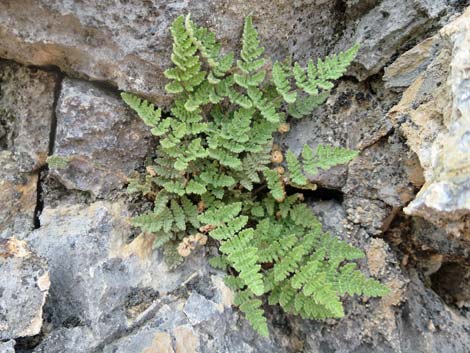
<point>325,157</point>
<point>213,174</point>
<point>57,162</point>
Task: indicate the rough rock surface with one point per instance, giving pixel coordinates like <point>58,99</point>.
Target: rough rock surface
<point>434,115</point>
<point>412,318</point>
<point>24,283</point>
<point>26,113</point>
<point>352,117</point>
<point>18,193</point>
<point>113,293</point>
<point>386,28</point>
<point>91,126</point>
<point>7,347</point>
<point>127,43</point>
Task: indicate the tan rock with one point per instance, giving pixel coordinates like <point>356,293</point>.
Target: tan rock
<point>161,344</point>
<point>434,116</point>
<point>376,257</point>
<point>186,340</point>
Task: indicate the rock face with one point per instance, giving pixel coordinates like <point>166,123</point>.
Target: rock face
<point>26,117</point>
<point>434,115</point>
<point>7,347</point>
<point>18,194</point>
<point>108,288</point>
<point>26,113</point>
<point>24,283</point>
<point>403,106</point>
<point>127,43</point>
<point>392,22</point>
<point>91,126</point>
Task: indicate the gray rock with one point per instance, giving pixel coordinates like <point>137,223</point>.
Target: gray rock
<point>98,139</point>
<point>24,283</point>
<point>7,347</point>
<point>127,43</point>
<point>427,238</point>
<point>26,113</point>
<point>352,117</point>
<point>99,281</point>
<point>374,215</point>
<point>383,30</point>
<point>386,171</point>
<point>199,309</point>
<point>213,327</point>
<point>18,194</point>
<point>412,318</point>
<point>71,340</point>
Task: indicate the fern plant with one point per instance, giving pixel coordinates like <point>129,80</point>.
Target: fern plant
<point>215,164</point>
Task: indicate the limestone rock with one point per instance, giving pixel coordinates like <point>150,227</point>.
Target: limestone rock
<point>18,193</point>
<point>352,117</point>
<point>391,22</point>
<point>7,347</point>
<point>434,115</point>
<point>401,321</point>
<point>374,215</point>
<point>24,284</point>
<point>119,296</point>
<point>127,43</point>
<point>384,171</point>
<point>98,139</point>
<point>26,113</point>
<point>104,282</point>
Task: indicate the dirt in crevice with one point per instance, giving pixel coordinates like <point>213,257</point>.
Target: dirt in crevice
<point>42,172</point>
<point>441,261</point>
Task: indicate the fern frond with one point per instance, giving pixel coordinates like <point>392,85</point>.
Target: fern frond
<point>254,314</point>
<point>321,75</point>
<point>220,263</point>
<point>195,187</point>
<point>267,108</point>
<point>280,79</point>
<point>352,281</point>
<point>145,110</point>
<point>275,184</point>
<point>325,157</point>
<point>178,215</point>
<point>295,169</point>
<point>251,49</point>
<point>190,211</point>
<point>186,74</point>
<point>229,230</point>
<point>305,105</point>
<point>234,283</point>
<point>217,216</point>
